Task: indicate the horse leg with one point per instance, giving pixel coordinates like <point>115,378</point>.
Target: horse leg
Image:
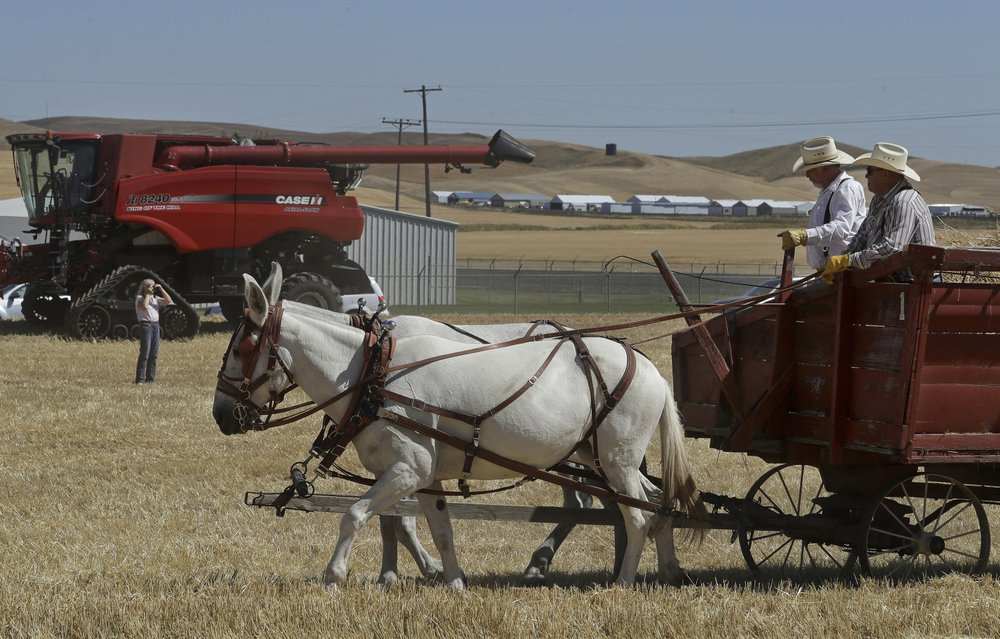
<point>436,511</point>
<point>586,455</point>
<point>389,573</point>
<point>395,484</point>
<point>668,568</point>
<point>636,525</point>
<point>621,537</point>
<point>541,559</point>
<point>406,533</point>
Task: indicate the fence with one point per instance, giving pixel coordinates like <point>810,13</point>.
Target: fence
<point>623,286</point>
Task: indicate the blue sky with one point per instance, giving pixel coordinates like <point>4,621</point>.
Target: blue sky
<point>675,78</point>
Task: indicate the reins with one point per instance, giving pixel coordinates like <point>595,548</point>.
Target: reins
<point>368,394</point>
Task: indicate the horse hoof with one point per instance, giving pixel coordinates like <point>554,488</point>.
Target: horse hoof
<point>388,579</point>
<point>533,577</point>
<point>433,571</point>
<point>677,580</point>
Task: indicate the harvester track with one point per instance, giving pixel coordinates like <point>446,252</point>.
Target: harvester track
<point>108,308</point>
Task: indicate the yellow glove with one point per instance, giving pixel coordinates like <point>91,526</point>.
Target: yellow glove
<point>792,238</point>
<point>834,265</point>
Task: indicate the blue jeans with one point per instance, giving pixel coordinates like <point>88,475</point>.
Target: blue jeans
<point>149,348</point>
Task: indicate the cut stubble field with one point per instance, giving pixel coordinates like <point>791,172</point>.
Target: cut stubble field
<point>123,516</point>
<point>123,513</point>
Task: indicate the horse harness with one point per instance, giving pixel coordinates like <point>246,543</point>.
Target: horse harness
<point>368,395</point>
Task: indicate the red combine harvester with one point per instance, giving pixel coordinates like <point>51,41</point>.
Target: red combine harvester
<point>195,213</point>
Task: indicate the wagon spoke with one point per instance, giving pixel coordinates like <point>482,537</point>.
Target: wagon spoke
<point>774,504</point>
<point>902,524</point>
<point>893,550</point>
<point>797,502</point>
<point>767,535</point>
<point>830,556</point>
<point>788,553</point>
<point>955,551</point>
<point>788,493</point>
<point>942,524</point>
<point>774,552</point>
<point>944,505</point>
<point>977,531</point>
<point>889,533</point>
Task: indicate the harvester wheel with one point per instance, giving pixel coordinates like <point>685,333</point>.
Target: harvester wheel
<point>94,322</point>
<point>179,322</point>
<point>44,304</point>
<point>312,289</point>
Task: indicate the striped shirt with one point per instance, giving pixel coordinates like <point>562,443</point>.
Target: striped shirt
<point>894,221</point>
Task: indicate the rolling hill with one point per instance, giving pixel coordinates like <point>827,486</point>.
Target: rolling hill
<point>560,168</point>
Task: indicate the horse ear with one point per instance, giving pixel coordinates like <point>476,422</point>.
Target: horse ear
<point>257,304</point>
<point>272,286</point>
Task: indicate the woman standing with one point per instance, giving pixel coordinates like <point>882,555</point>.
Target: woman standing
<point>148,300</point>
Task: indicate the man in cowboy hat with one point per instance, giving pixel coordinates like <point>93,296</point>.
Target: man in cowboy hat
<point>839,209</point>
<point>898,215</point>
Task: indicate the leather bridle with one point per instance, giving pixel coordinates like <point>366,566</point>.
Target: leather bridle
<point>241,389</point>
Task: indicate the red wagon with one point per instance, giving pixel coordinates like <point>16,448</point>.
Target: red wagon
<point>881,402</point>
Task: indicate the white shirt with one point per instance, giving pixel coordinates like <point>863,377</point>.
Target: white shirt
<point>846,198</point>
<point>151,314</point>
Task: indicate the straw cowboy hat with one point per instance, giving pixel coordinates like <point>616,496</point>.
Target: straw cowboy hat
<point>890,157</point>
<point>820,152</point>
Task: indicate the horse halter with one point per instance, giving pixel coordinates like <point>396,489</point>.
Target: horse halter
<point>247,413</point>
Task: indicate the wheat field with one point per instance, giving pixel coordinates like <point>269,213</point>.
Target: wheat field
<point>123,517</point>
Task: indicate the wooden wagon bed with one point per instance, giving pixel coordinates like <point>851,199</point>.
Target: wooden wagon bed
<point>862,372</point>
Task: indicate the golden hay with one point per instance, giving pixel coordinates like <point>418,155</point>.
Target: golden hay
<point>123,517</point>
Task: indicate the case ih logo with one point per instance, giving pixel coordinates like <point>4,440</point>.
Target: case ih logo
<point>301,200</point>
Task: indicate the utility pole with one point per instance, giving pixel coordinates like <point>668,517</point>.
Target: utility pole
<point>401,124</point>
<point>427,168</point>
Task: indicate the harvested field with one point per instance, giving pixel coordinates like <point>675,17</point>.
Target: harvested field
<point>123,517</point>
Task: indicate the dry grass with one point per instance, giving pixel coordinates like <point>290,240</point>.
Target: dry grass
<point>122,516</point>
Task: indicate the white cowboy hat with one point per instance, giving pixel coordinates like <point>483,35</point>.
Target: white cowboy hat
<point>820,152</point>
<point>890,157</point>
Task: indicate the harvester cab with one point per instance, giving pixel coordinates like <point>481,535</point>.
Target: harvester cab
<point>195,213</point>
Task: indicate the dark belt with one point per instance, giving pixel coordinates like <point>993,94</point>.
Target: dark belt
<point>146,322</point>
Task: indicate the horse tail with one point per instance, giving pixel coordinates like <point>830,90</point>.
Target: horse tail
<point>678,484</point>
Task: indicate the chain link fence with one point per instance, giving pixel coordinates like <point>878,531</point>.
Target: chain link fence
<point>538,286</point>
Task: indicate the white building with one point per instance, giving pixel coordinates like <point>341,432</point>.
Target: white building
<point>746,208</point>
<point>579,202</point>
<point>958,210</point>
<point>721,207</point>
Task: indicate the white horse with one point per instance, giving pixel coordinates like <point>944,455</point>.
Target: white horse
<point>543,426</point>
<point>396,530</point>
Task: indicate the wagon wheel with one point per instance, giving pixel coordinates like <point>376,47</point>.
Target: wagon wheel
<point>922,526</point>
<point>797,492</point>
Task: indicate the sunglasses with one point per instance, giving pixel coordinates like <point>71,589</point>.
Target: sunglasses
<point>871,170</point>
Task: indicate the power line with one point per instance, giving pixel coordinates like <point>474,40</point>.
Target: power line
<point>723,125</point>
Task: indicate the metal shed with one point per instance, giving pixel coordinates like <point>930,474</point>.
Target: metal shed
<point>411,256</point>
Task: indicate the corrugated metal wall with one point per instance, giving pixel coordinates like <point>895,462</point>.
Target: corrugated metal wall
<point>411,256</point>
